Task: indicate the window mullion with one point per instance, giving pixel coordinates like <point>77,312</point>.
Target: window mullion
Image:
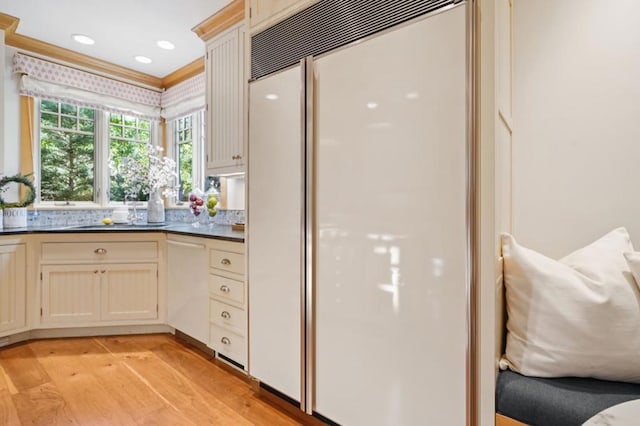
<point>102,158</point>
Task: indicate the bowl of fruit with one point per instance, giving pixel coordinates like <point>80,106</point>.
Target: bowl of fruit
<point>196,206</point>
<point>212,202</point>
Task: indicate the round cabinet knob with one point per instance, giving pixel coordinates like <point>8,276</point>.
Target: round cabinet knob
<point>225,341</point>
<point>225,289</point>
<point>225,262</point>
<point>100,251</point>
<point>225,315</point>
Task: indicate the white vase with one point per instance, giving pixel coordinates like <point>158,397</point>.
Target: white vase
<point>155,208</point>
<point>15,217</point>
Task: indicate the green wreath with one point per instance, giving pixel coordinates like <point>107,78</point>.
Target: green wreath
<point>29,197</point>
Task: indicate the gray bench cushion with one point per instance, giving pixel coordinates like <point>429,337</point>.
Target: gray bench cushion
<point>563,401</point>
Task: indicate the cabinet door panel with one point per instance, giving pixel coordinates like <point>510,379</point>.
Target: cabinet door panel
<point>130,292</point>
<point>70,293</point>
<point>225,119</point>
<point>12,287</point>
<point>188,290</point>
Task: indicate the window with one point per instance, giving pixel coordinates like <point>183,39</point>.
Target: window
<point>67,152</point>
<point>188,151</point>
<point>76,145</point>
<point>127,139</point>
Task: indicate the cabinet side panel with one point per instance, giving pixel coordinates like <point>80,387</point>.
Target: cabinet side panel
<point>275,231</point>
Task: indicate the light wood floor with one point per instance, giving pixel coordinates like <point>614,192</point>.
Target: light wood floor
<point>124,380</point>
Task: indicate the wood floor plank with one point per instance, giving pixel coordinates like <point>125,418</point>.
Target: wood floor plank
<point>74,366</point>
<point>8,413</point>
<point>215,381</point>
<point>21,365</point>
<point>173,386</point>
<point>124,380</point>
<point>43,405</point>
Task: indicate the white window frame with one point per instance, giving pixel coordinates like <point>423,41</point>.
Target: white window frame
<point>197,136</point>
<point>101,160</point>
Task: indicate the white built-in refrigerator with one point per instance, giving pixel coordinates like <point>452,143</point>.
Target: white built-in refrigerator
<point>358,228</point>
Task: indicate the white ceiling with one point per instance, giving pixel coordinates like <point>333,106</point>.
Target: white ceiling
<point>122,29</point>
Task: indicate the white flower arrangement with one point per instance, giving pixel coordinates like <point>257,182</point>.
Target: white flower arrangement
<point>158,175</point>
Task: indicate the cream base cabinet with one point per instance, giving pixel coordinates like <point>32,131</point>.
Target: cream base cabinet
<point>111,281</point>
<point>224,67</point>
<point>93,293</point>
<point>13,288</point>
<point>70,293</point>
<point>188,301</point>
<point>227,302</point>
<point>129,292</point>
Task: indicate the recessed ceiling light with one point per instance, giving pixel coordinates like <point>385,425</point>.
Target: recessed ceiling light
<point>372,105</point>
<point>83,39</point>
<point>167,45</point>
<point>143,59</point>
<point>271,96</point>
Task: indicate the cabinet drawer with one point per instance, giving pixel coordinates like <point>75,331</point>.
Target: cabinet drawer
<point>226,288</point>
<point>226,261</point>
<point>99,251</point>
<point>227,316</point>
<point>228,344</point>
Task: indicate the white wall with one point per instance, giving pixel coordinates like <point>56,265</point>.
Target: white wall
<point>576,114</point>
<point>9,113</point>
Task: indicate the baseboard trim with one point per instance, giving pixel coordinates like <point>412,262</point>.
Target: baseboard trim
<point>56,333</point>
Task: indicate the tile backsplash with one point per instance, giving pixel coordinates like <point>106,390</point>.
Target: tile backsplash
<point>42,217</point>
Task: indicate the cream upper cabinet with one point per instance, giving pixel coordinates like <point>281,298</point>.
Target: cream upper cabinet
<point>263,13</point>
<point>13,287</point>
<point>225,102</point>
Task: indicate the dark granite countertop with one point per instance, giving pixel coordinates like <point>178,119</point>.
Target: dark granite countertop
<point>220,232</point>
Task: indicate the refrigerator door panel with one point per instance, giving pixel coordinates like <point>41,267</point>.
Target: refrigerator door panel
<point>392,264</point>
<point>274,230</point>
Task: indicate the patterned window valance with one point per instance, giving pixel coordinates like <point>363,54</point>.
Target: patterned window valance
<point>184,98</point>
<point>42,78</point>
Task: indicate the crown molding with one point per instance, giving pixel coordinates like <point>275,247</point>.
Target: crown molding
<point>43,48</point>
<point>225,18</point>
<point>8,23</point>
<point>178,76</point>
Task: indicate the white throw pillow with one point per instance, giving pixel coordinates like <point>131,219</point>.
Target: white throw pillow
<point>579,316</point>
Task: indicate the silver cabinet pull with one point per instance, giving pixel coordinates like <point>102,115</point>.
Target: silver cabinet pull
<point>100,251</point>
<point>225,261</point>
<point>225,341</point>
<point>225,289</point>
<point>225,315</point>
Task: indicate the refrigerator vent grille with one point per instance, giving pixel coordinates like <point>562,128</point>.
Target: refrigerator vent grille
<point>327,25</point>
